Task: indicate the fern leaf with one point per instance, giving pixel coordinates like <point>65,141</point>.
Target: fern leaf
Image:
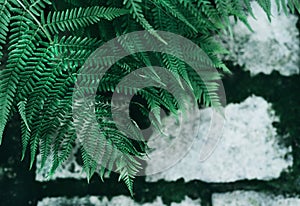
<point>21,107</point>
<point>128,167</point>
<point>266,5</point>
<point>25,138</point>
<point>135,9</point>
<point>48,43</point>
<point>72,19</point>
<point>294,5</point>
<point>249,7</point>
<point>24,39</point>
<point>5,17</point>
<point>168,6</point>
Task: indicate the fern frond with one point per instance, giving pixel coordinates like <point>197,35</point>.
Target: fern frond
<point>266,5</point>
<point>127,166</point>
<point>199,17</point>
<point>5,18</point>
<point>135,9</point>
<point>292,5</point>
<point>64,141</point>
<point>21,107</point>
<point>48,43</point>
<point>72,19</point>
<point>169,7</point>
<point>24,39</point>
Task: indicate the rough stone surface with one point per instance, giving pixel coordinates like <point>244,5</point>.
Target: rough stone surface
<point>249,147</point>
<point>250,198</point>
<point>116,201</point>
<point>274,45</point>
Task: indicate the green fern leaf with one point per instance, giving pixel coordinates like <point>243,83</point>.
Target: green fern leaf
<point>135,8</point>
<point>266,5</point>
<point>72,19</point>
<point>21,107</point>
<point>5,18</point>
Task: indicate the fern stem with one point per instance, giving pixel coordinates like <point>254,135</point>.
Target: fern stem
<point>37,21</point>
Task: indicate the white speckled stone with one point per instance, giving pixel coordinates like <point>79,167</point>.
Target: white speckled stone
<point>250,198</point>
<point>116,201</point>
<point>274,45</point>
<point>249,147</point>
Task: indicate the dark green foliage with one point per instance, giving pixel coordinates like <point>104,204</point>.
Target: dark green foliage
<point>46,42</point>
